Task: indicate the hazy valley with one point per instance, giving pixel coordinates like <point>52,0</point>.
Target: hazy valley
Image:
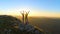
<point>49,25</point>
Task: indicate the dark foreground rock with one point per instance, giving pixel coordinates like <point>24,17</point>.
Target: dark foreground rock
<point>8,26</point>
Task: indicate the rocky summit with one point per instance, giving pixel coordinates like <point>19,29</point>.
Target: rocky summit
<point>12,25</point>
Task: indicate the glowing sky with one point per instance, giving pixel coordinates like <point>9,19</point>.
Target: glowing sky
<point>47,8</point>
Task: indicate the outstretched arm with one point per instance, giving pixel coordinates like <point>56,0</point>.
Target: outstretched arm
<point>22,13</point>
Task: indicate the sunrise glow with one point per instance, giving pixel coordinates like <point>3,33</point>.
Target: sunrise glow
<point>37,8</point>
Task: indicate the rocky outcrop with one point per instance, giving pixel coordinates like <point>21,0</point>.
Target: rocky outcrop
<point>29,29</point>
<point>8,23</point>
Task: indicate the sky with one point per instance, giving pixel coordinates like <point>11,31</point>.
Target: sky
<point>46,8</point>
